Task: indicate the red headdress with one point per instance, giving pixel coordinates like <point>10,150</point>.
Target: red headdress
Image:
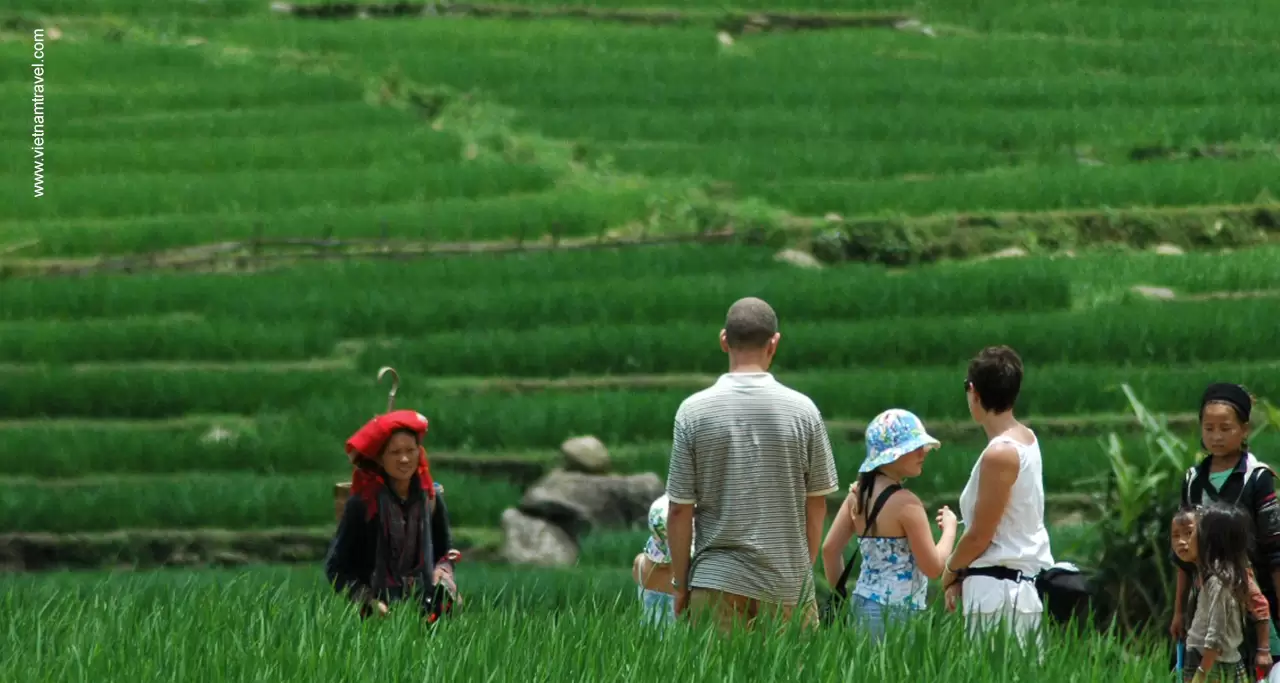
<point>367,444</point>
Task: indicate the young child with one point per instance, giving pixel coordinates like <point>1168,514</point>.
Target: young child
<point>898,552</point>
<point>1218,609</point>
<point>651,569</point>
<point>1186,550</point>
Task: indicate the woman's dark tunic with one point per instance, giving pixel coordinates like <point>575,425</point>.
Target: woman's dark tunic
<point>395,553</point>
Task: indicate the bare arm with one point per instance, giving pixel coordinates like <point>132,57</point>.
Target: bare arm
<point>815,513</point>
<point>683,494</point>
<point>997,472</point>
<point>931,558</point>
<point>838,537</point>
<point>820,479</point>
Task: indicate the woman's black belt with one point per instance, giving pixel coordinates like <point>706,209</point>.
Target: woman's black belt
<point>1002,573</point>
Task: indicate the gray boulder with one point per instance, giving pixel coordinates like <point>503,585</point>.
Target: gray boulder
<point>585,454</point>
<point>527,540</point>
<point>579,502</point>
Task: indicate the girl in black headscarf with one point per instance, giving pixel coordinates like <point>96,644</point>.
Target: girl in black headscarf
<point>1229,473</point>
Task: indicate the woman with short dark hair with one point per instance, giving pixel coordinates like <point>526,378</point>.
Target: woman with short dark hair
<point>1005,543</point>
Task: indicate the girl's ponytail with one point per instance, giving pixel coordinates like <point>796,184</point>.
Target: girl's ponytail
<point>866,482</point>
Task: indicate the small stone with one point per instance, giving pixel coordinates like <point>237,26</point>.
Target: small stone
<point>218,434</point>
<point>1154,293</point>
<point>585,454</point>
<point>1169,250</point>
<point>798,258</point>
<point>1010,252</point>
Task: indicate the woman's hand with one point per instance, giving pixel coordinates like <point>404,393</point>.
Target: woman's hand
<point>1262,660</point>
<point>953,596</point>
<point>443,575</point>
<point>946,519</point>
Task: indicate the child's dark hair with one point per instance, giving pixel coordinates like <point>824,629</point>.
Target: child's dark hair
<point>1186,513</point>
<point>1224,538</point>
<point>866,482</point>
<point>996,376</point>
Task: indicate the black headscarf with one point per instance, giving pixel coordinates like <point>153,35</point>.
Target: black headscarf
<point>1233,395</point>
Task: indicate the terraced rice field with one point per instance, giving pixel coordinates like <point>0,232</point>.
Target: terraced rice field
<point>203,413</point>
<point>255,381</point>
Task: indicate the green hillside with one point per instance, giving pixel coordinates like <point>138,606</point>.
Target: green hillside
<point>268,207</point>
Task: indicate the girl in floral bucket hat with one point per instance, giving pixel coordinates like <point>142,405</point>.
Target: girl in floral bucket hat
<point>899,555</point>
<point>652,569</point>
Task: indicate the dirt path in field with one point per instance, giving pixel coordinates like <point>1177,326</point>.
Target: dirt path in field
<point>734,22</point>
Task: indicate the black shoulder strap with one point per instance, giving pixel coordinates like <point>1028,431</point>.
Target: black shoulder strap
<point>871,520</point>
<point>880,501</point>
<point>1250,483</point>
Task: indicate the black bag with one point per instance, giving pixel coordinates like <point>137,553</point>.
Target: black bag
<point>1067,594</point>
<point>833,606</point>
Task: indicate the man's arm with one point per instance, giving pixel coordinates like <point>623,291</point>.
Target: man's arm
<point>683,495</point>
<point>997,472</point>
<point>821,480</point>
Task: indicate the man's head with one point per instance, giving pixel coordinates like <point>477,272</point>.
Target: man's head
<point>750,331</point>
<point>993,381</point>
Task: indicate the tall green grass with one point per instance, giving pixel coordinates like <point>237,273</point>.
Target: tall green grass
<point>175,338</point>
<point>475,416</point>
<point>1146,333</point>
<point>191,499</point>
<point>371,299</point>
<point>545,625</point>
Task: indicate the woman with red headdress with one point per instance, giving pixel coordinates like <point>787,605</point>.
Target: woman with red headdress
<point>393,542</point>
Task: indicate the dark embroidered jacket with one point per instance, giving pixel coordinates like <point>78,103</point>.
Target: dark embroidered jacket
<point>395,553</point>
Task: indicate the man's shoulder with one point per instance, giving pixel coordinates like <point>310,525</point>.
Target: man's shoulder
<point>797,400</point>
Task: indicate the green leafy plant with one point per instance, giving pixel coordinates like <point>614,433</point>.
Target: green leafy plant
<point>1141,496</point>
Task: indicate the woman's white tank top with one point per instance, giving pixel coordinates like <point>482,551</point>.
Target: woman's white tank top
<point>1021,540</point>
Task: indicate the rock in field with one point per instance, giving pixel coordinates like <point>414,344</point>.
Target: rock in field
<point>578,502</point>
<point>585,454</point>
<point>798,258</point>
<point>1169,250</point>
<point>1155,293</point>
<point>533,541</point>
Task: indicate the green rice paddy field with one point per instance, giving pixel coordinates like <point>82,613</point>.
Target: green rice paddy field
<point>191,405</point>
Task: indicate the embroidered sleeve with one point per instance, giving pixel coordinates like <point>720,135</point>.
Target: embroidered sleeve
<point>1267,515</point>
<point>1259,608</point>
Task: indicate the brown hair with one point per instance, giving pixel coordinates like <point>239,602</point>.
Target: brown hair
<point>996,376</point>
<point>750,324</point>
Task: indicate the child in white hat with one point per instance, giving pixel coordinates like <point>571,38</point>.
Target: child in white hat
<point>899,555</point>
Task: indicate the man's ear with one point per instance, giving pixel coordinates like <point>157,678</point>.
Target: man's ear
<point>724,342</point>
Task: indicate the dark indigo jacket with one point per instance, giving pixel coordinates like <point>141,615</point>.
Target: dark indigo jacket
<point>349,563</point>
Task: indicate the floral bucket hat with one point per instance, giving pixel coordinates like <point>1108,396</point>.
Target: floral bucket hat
<point>655,548</point>
<point>893,434</point>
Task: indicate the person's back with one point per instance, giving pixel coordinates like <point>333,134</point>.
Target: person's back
<point>753,438</point>
<point>1021,540</point>
<point>754,457</point>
